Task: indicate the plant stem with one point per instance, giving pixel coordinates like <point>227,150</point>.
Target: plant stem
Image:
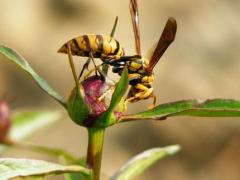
<point>72,65</point>
<point>95,148</point>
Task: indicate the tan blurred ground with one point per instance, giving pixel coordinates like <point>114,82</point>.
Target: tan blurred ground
<point>202,63</point>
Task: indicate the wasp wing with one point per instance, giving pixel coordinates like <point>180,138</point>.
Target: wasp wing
<point>150,51</point>
<point>166,38</point>
<point>135,22</point>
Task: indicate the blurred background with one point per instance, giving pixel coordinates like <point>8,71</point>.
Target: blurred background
<point>202,63</point>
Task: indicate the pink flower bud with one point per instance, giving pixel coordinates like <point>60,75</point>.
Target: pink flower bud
<point>5,123</point>
<point>91,101</point>
<point>94,87</point>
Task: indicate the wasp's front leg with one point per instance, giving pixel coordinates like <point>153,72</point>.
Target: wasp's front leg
<point>141,92</point>
<point>154,101</point>
<point>85,66</point>
<point>111,88</point>
<point>93,70</point>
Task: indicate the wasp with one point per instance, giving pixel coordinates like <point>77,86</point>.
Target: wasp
<point>94,46</point>
<point>141,69</point>
<point>110,51</point>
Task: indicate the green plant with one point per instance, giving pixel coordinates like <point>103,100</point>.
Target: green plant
<point>86,110</point>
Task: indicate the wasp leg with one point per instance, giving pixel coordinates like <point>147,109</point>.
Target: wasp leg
<point>154,101</point>
<point>112,60</point>
<point>144,93</point>
<point>94,70</point>
<point>108,59</point>
<point>92,58</point>
<point>85,66</point>
<point>134,77</point>
<point>127,58</point>
<point>97,69</point>
<point>111,88</point>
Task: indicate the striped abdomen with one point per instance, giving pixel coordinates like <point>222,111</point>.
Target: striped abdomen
<point>99,46</point>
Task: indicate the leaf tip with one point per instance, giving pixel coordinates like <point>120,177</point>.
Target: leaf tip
<point>171,150</point>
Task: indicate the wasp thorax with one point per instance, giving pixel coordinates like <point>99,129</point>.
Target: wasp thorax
<point>92,99</point>
<point>5,122</point>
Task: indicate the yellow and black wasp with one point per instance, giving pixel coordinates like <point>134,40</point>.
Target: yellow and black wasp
<point>111,52</point>
<point>140,69</point>
<point>94,46</point>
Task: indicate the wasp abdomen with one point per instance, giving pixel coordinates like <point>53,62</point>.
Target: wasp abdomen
<point>98,46</point>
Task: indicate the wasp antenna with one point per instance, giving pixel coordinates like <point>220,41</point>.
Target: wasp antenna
<point>114,27</point>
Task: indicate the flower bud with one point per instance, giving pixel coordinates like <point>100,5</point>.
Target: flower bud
<point>92,100</point>
<point>94,87</point>
<point>5,122</point>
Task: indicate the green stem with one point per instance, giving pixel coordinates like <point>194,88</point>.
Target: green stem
<point>95,148</point>
<point>72,65</point>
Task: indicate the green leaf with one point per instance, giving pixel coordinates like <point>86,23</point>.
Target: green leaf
<point>23,64</point>
<point>25,124</point>
<point>55,152</point>
<point>143,161</point>
<point>16,168</point>
<point>76,175</point>
<point>208,108</point>
<point>77,107</point>
<point>120,90</point>
<point>108,118</point>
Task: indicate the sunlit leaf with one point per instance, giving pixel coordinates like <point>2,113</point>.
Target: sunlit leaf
<point>23,64</point>
<point>143,161</point>
<point>208,108</point>
<point>15,168</point>
<point>26,123</point>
